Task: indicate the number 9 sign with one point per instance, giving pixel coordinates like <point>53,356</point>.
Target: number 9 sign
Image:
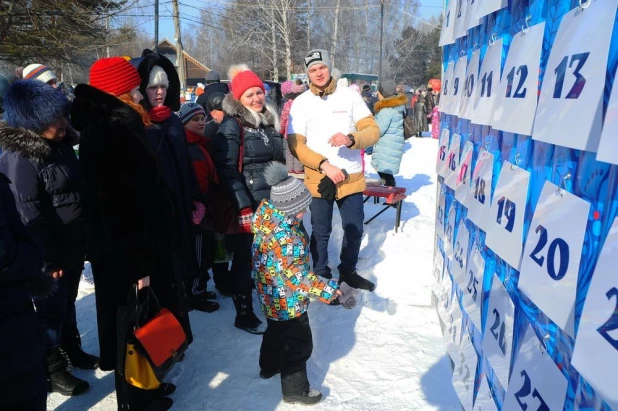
<point>550,263</point>
<point>596,346</point>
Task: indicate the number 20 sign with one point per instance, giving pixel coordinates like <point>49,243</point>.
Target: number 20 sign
<point>550,263</point>
<point>596,346</point>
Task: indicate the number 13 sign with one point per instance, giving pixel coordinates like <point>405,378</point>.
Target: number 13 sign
<point>596,346</point>
<point>553,251</point>
<point>571,100</point>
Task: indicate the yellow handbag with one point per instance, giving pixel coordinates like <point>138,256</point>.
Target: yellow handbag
<point>138,371</point>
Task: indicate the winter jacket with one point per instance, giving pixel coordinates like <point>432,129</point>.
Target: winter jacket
<point>262,144</point>
<point>388,150</point>
<point>46,181</point>
<point>22,344</point>
<point>203,166</point>
<point>281,267</point>
<point>318,115</point>
<point>131,224</point>
<point>420,115</point>
<point>285,115</point>
<point>211,125</point>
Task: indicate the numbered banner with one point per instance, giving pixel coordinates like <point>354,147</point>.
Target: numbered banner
<point>452,162</point>
<point>484,398</point>
<point>460,29</point>
<point>515,106</point>
<point>460,254</point>
<point>449,233</point>
<point>446,35</point>
<point>536,382</point>
<point>550,263</point>
<point>571,102</point>
<point>452,323</point>
<point>505,227</point>
<point>596,346</point>
<point>471,81</point>
<point>498,335</point>
<point>608,146</point>
<point>447,88</point>
<point>473,289</point>
<point>438,271</point>
<point>486,92</point>
<point>471,14</point>
<point>440,211</point>
<point>479,196</point>
<point>464,371</point>
<point>441,163</point>
<point>457,85</point>
<point>464,174</point>
<point>446,293</point>
<point>486,7</point>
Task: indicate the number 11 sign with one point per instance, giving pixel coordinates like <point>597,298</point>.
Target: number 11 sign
<point>571,100</point>
<point>596,346</point>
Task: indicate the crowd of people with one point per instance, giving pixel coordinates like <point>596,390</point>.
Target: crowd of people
<point>156,189</point>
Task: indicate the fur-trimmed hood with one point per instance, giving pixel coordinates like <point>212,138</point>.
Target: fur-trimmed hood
<point>392,102</point>
<point>249,118</point>
<point>29,144</point>
<point>144,66</point>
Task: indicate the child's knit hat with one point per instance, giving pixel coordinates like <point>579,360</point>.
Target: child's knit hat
<point>189,110</point>
<point>288,194</point>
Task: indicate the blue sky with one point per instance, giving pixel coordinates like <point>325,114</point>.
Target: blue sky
<point>166,27</point>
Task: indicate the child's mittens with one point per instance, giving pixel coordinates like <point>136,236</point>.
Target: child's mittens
<point>348,297</point>
<point>198,213</point>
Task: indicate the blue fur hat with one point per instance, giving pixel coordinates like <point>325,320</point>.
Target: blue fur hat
<point>33,105</point>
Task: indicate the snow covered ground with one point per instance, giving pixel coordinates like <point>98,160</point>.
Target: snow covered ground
<point>385,354</point>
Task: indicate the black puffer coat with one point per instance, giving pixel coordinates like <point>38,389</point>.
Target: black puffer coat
<point>130,219</point>
<point>22,343</point>
<point>46,182</point>
<point>262,144</point>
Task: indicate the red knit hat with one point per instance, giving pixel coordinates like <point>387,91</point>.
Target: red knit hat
<point>243,81</point>
<point>114,75</point>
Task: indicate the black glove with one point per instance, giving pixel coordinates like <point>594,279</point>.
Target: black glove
<point>327,188</point>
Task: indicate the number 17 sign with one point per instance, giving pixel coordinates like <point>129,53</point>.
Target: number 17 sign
<point>571,100</point>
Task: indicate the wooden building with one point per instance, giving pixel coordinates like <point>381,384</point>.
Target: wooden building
<point>195,70</point>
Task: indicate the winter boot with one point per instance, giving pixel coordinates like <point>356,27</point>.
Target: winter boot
<point>165,389</point>
<point>245,318</point>
<point>158,404</point>
<point>308,397</point>
<point>356,281</point>
<point>59,379</point>
<point>201,303</point>
<point>77,357</point>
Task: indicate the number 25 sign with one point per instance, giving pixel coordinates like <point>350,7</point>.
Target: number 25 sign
<point>596,346</point>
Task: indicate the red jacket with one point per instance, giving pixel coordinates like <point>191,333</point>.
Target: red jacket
<point>203,166</point>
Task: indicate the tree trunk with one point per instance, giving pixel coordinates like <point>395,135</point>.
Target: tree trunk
<point>288,45</point>
<point>333,47</point>
<point>309,27</point>
<point>274,40</point>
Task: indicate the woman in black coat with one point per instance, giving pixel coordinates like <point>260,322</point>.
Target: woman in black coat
<point>132,236</point>
<point>251,126</point>
<point>39,159</point>
<point>22,346</point>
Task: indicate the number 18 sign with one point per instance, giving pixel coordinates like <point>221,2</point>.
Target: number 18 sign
<point>596,346</point>
<point>550,264</point>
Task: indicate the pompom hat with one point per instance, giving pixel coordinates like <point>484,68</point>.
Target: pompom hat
<point>39,72</point>
<point>114,75</point>
<point>288,194</point>
<point>242,79</point>
<point>286,87</point>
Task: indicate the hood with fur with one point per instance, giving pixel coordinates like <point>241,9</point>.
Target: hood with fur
<point>29,144</point>
<point>144,66</point>
<point>248,117</point>
<point>390,102</point>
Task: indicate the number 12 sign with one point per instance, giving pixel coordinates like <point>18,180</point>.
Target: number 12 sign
<point>596,347</point>
<point>536,382</point>
<point>517,95</point>
<point>571,100</point>
<point>550,264</point>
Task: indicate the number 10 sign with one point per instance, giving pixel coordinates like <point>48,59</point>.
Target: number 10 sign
<point>550,264</point>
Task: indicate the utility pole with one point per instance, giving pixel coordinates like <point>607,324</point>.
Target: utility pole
<point>107,33</point>
<point>180,58</point>
<point>381,38</point>
<point>156,33</point>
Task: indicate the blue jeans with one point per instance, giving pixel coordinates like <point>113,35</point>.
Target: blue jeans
<point>352,216</point>
<point>56,313</point>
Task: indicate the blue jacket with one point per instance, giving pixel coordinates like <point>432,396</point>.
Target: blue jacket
<point>388,150</point>
<point>22,343</point>
<point>281,267</point>
<point>46,182</point>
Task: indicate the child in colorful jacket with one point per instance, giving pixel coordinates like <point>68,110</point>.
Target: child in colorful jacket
<point>284,281</point>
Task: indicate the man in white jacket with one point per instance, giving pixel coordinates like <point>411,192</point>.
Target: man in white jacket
<point>328,126</point>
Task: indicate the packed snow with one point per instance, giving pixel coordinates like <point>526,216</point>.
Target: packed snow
<point>387,353</point>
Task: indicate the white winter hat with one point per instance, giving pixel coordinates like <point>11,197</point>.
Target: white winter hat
<point>158,77</point>
<point>39,72</point>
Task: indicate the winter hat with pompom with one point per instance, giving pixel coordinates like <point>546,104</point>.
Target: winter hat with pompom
<point>33,105</point>
<point>286,87</point>
<point>243,79</point>
<point>114,75</point>
<point>288,194</point>
<point>299,88</point>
